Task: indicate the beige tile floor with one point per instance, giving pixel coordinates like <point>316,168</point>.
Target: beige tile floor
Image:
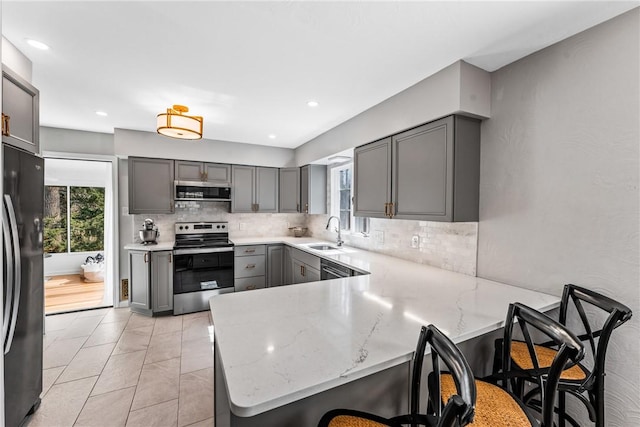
<point>109,367</point>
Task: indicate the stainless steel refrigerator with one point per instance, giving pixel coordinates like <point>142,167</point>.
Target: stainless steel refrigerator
<point>22,326</point>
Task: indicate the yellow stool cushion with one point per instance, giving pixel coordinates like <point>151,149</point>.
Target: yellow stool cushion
<point>351,421</point>
<point>494,406</point>
<point>520,355</point>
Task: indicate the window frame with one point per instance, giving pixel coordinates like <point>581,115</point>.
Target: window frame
<point>358,225</point>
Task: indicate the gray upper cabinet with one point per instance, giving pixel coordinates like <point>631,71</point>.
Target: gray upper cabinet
<point>290,190</point>
<point>215,173</point>
<point>255,189</point>
<point>372,177</point>
<point>313,189</point>
<point>150,186</point>
<point>20,112</point>
<point>432,173</point>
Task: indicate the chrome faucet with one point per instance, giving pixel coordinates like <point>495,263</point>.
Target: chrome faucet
<point>340,241</point>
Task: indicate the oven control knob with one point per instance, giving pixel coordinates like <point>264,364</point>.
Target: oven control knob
<point>186,227</point>
<point>217,226</point>
<point>224,226</point>
<point>180,227</point>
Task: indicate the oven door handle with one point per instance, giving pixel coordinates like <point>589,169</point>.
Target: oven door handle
<point>197,251</point>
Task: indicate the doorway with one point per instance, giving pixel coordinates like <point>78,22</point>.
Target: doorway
<point>78,234</point>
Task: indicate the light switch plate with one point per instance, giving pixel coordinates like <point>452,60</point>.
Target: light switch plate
<point>415,241</point>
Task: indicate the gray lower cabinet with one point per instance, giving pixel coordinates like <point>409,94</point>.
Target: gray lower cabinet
<point>215,173</point>
<point>150,281</point>
<point>313,189</point>
<point>275,265</point>
<point>161,281</point>
<point>139,282</point>
<point>305,267</point>
<point>430,173</point>
<point>249,267</point>
<point>287,267</point>
<point>289,190</point>
<point>20,112</point>
<point>151,185</point>
<point>255,189</point>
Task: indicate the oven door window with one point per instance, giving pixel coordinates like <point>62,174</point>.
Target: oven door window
<point>197,272</point>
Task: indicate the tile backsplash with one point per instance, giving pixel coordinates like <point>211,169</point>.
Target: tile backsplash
<point>240,224</point>
<point>451,246</point>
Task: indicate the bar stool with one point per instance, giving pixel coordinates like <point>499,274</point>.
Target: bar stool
<point>587,385</point>
<point>459,408</point>
<point>496,406</point>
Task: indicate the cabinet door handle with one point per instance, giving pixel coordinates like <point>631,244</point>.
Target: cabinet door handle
<point>170,258</point>
<point>251,287</point>
<point>297,207</point>
<point>145,257</point>
<point>391,210</point>
<point>250,266</point>
<point>257,207</point>
<point>5,125</point>
<point>386,209</point>
<point>206,176</point>
<point>249,251</point>
<point>306,208</point>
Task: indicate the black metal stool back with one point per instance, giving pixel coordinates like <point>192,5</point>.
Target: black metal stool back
<point>570,352</point>
<point>597,336</point>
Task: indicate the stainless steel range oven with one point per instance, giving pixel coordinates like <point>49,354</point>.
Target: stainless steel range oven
<point>203,264</point>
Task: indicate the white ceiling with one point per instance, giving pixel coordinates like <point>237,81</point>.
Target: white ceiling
<point>250,67</point>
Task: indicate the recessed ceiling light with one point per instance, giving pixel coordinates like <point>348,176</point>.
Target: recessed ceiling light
<point>101,113</point>
<point>272,136</point>
<point>37,44</point>
<point>312,103</point>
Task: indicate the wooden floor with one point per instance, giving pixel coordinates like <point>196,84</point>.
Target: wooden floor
<point>70,292</point>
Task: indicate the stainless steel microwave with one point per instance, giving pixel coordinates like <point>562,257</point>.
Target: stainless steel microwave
<point>201,191</point>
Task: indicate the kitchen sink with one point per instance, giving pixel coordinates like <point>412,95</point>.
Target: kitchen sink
<point>323,247</point>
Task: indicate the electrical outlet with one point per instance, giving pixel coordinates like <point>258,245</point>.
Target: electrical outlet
<point>415,241</point>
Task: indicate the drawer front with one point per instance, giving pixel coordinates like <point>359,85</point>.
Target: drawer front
<point>249,250</point>
<point>249,266</point>
<point>250,283</point>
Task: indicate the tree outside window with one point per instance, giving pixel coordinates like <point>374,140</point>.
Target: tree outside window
<point>74,219</point>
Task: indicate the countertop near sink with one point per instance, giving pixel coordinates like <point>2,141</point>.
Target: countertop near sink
<point>280,345</point>
<point>345,255</point>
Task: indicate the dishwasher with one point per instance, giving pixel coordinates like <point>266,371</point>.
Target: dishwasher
<point>331,270</point>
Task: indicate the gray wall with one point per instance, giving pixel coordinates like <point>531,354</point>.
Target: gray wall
<point>559,196</point>
<point>460,87</point>
<point>150,144</point>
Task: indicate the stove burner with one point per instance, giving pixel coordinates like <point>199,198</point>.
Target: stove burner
<point>195,235</point>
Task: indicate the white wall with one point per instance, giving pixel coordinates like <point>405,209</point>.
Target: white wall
<point>150,144</point>
<point>458,88</point>
<point>560,168</point>
<point>16,60</point>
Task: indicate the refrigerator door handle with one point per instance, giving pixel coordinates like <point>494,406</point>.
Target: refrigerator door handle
<point>8,250</point>
<point>17,272</point>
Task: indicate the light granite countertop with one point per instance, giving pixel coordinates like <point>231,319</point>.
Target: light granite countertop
<point>160,246</point>
<point>282,344</point>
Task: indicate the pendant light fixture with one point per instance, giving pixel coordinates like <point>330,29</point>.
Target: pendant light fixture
<point>175,124</point>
